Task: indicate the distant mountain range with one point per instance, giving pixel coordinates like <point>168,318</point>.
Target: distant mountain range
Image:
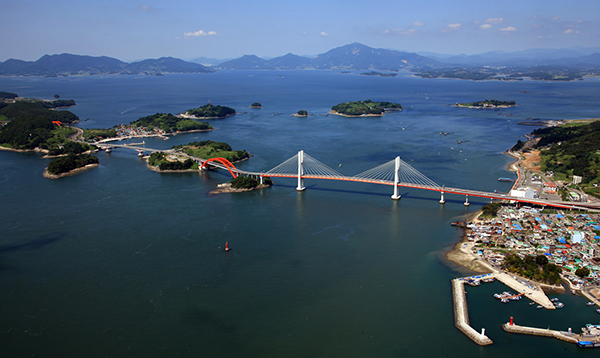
<point>354,56</point>
<point>71,65</point>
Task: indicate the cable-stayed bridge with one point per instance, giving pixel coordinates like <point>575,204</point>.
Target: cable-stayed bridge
<point>396,173</point>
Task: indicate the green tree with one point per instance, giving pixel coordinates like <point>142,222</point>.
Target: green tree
<point>582,272</point>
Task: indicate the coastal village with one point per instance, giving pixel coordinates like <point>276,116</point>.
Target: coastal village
<point>570,240</point>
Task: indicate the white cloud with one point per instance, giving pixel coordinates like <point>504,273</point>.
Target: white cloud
<point>554,18</point>
<point>485,26</point>
<point>508,29</point>
<point>417,23</point>
<point>325,34</point>
<point>571,31</point>
<point>400,31</point>
<point>452,27</point>
<point>495,20</point>
<point>200,33</point>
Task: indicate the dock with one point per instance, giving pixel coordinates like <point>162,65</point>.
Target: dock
<point>461,314</point>
<point>589,338</point>
<point>533,293</point>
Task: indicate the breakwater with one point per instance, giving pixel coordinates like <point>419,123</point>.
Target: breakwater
<point>461,314</point>
<point>563,336</point>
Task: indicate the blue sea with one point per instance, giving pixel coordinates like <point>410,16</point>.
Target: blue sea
<point>121,261</point>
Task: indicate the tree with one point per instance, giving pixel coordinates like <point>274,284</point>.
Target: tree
<point>541,260</point>
<point>582,272</point>
<point>302,113</point>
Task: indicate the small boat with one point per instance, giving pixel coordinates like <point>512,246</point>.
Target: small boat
<point>554,299</point>
<point>531,303</point>
<point>539,306</point>
<point>598,310</point>
<point>590,303</point>
<point>559,305</point>
<point>505,179</point>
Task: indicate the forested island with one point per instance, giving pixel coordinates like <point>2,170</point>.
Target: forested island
<point>169,123</point>
<point>364,108</point>
<point>488,103</point>
<point>69,165</point>
<point>209,111</point>
<point>205,149</point>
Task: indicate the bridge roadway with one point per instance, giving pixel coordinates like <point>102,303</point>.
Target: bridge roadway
<point>444,190</point>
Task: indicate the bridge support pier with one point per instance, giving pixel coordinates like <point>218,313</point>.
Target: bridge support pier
<point>442,201</point>
<point>262,181</point>
<point>467,201</point>
<point>300,186</point>
<point>396,196</point>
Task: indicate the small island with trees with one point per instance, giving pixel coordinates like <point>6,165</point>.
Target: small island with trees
<point>256,105</point>
<point>242,183</point>
<point>169,123</point>
<point>364,108</point>
<point>487,104</point>
<point>300,113</point>
<point>209,111</point>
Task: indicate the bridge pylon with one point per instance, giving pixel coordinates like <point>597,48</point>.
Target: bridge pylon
<point>396,196</point>
<point>300,186</point>
<point>467,201</point>
<point>442,201</point>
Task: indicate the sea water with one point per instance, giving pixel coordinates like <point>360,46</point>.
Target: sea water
<point>123,261</point>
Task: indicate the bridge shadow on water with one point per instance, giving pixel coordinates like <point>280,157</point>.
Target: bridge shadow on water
<point>406,194</point>
<point>34,244</point>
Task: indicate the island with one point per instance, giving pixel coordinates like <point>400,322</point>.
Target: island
<point>300,113</point>
<point>256,105</point>
<point>487,104</point>
<point>70,165</point>
<point>165,123</point>
<point>209,111</point>
<point>364,108</point>
<point>240,184</point>
<point>182,157</point>
<point>375,73</point>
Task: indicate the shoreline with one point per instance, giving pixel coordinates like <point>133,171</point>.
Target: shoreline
<point>164,136</point>
<point>355,116</point>
<point>485,107</point>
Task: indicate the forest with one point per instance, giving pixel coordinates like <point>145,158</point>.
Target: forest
<point>70,162</point>
<point>211,111</point>
<point>359,108</point>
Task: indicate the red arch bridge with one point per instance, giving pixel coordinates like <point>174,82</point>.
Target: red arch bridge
<point>395,173</point>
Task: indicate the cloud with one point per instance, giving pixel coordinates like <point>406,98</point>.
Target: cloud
<point>400,31</point>
<point>199,33</point>
<point>495,20</point>
<point>554,18</point>
<point>417,23</point>
<point>452,27</point>
<point>571,31</point>
<point>508,29</point>
<point>324,34</point>
<point>485,26</point>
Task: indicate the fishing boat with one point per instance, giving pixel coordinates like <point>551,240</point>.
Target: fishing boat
<point>590,303</point>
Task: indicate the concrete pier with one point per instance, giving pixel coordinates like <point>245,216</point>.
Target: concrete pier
<point>461,314</point>
<point>563,336</point>
<point>535,294</point>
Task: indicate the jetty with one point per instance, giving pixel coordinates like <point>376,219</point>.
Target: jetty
<point>530,291</point>
<point>461,314</point>
<point>589,338</point>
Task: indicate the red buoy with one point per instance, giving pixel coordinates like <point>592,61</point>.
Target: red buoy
<point>227,246</point>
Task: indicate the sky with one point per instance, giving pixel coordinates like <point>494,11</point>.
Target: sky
<point>132,30</point>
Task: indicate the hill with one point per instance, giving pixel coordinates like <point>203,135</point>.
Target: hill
<point>70,65</point>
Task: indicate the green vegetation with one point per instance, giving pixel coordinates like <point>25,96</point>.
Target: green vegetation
<point>8,95</point>
<point>491,210</point>
<point>70,162</point>
<point>170,123</point>
<point>243,182</point>
<point>489,103</point>
<point>159,159</point>
<point>302,113</point>
<point>534,268</point>
<point>572,150</point>
<point>362,108</point>
<point>210,149</point>
<point>210,111</point>
<point>29,132</point>
<point>69,148</point>
<point>582,272</point>
<point>256,105</point>
<point>35,109</point>
<point>97,134</point>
